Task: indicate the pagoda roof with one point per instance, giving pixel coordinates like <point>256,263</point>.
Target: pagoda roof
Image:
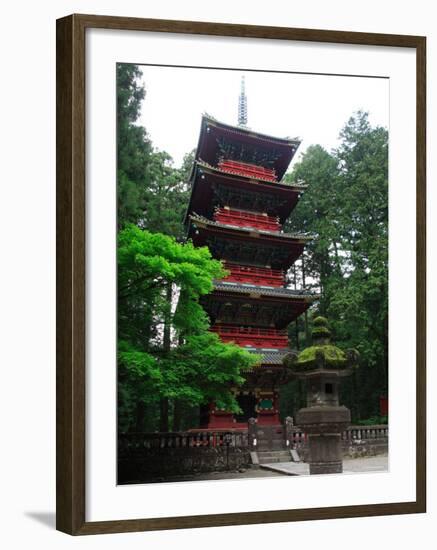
<point>295,186</point>
<point>300,237</point>
<point>268,151</point>
<point>212,187</point>
<point>262,290</point>
<point>254,306</point>
<point>249,246</point>
<point>270,356</point>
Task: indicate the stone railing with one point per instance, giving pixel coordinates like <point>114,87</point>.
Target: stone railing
<point>148,456</point>
<point>296,436</point>
<point>138,443</point>
<point>357,441</point>
<point>361,441</point>
<point>379,431</point>
<point>144,457</point>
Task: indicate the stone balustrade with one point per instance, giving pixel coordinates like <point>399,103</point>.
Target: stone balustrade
<point>379,431</point>
<point>144,456</point>
<point>134,443</point>
<point>137,443</point>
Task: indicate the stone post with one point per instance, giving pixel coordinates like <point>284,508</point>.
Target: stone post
<point>252,434</point>
<point>323,427</point>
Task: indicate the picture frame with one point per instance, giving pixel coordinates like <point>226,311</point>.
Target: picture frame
<point>71,204</point>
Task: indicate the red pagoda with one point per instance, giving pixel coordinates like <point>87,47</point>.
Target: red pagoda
<point>237,208</point>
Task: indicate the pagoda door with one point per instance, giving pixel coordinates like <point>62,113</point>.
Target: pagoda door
<point>247,403</point>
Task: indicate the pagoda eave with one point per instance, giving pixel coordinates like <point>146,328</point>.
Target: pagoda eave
<point>206,168</point>
<point>247,246</point>
<point>280,150</point>
<point>253,309</point>
<point>263,291</point>
<point>270,357</point>
<point>198,222</point>
<point>265,375</point>
<point>212,187</point>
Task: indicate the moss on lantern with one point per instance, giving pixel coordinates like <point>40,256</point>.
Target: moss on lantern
<point>320,321</point>
<point>320,328</point>
<point>333,356</point>
<point>322,353</point>
<point>321,331</point>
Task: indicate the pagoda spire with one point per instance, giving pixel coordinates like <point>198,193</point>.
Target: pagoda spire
<point>242,105</point>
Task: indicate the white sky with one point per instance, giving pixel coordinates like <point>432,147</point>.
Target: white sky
<point>311,107</point>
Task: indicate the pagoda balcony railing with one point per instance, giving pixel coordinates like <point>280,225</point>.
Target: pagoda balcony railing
<point>246,219</point>
<point>254,275</point>
<point>252,336</point>
<point>247,169</point>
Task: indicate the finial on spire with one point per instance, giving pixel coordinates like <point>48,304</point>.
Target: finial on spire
<point>242,105</point>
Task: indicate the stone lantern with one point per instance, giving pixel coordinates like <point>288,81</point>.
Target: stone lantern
<point>323,420</point>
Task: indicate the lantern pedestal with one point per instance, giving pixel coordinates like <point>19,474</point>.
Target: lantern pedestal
<point>324,426</point>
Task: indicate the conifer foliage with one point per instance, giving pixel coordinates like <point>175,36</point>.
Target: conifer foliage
<point>346,208</point>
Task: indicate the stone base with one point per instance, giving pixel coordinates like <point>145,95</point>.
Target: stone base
<point>325,454</point>
<point>317,468</point>
<point>323,419</point>
<point>324,426</point>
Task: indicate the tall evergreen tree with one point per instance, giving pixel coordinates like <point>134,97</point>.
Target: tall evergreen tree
<point>134,149</point>
<point>346,208</point>
<point>152,193</point>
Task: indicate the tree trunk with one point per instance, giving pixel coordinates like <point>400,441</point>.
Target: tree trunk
<point>307,335</point>
<point>337,258</point>
<point>163,412</point>
<point>296,324</point>
<point>140,415</point>
<point>177,415</point>
<point>386,354</point>
<point>164,404</point>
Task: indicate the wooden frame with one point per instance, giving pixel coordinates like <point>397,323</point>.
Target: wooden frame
<point>71,273</point>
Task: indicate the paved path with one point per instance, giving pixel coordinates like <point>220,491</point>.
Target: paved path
<point>350,466</point>
<point>371,464</point>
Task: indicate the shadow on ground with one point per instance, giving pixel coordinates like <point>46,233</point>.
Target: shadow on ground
<point>45,518</point>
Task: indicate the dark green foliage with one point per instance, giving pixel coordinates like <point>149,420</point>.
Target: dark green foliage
<point>346,207</point>
<point>134,149</point>
<point>373,421</point>
<point>292,397</point>
<point>151,192</point>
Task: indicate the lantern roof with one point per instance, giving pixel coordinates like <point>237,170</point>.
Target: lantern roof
<point>323,355</point>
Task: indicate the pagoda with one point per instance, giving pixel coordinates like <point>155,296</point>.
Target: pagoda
<point>237,208</point>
